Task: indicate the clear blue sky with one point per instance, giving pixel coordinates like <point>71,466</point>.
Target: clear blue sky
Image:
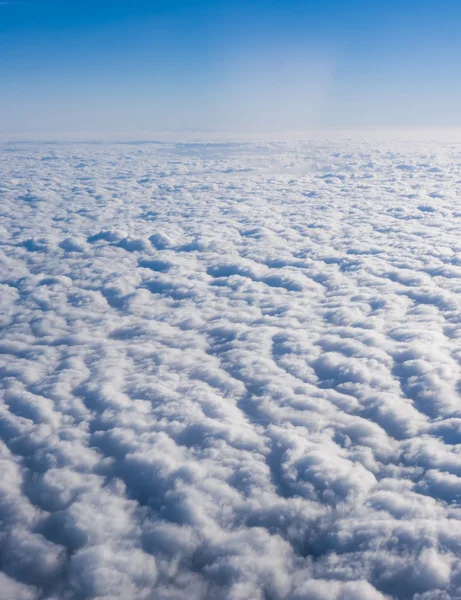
<point>148,65</point>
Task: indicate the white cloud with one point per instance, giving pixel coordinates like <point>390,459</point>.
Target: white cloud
<point>230,371</point>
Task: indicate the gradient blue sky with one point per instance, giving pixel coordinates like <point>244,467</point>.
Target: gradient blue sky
<point>147,65</point>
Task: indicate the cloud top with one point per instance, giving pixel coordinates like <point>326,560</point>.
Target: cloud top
<point>230,370</point>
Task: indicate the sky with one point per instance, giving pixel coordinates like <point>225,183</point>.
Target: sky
<point>148,65</point>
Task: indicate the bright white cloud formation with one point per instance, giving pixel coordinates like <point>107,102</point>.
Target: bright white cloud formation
<point>230,371</point>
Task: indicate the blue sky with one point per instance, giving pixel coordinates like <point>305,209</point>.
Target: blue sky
<point>139,65</point>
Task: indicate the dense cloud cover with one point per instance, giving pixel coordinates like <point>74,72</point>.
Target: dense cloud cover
<point>230,371</point>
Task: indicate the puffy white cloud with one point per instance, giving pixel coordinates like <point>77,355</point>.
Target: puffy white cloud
<point>230,371</point>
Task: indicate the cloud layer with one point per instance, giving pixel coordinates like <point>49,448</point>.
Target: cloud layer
<point>230,371</point>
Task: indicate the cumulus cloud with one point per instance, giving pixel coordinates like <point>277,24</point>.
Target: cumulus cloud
<point>230,371</point>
